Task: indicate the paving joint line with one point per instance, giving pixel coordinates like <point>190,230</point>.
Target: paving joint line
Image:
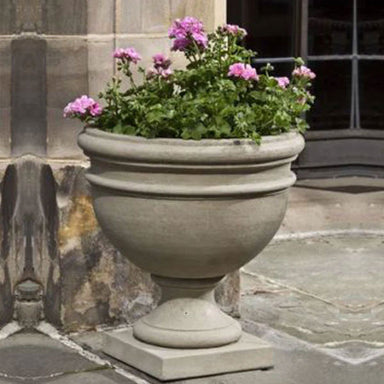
<point>325,233</point>
<point>50,331</point>
<point>290,288</point>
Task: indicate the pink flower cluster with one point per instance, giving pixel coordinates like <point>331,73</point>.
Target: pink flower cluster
<point>234,30</point>
<point>161,66</point>
<point>187,32</point>
<point>303,71</point>
<point>282,82</point>
<point>245,71</point>
<point>161,61</point>
<point>82,107</point>
<point>127,54</point>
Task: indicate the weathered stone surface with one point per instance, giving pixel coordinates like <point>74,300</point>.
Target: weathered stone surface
<point>128,16</point>
<point>6,27</point>
<point>100,64</point>
<point>28,123</point>
<point>99,285</point>
<point>155,16</point>
<point>29,249</point>
<point>323,290</point>
<point>28,16</point>
<point>67,17</point>
<point>67,78</point>
<point>227,294</point>
<point>5,96</point>
<point>100,16</point>
<point>348,203</point>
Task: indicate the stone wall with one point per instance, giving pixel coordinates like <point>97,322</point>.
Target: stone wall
<point>52,51</point>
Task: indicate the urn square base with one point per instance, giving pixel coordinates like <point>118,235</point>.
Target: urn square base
<point>249,353</point>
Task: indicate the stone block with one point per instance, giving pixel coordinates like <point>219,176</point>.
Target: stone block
<point>6,20</point>
<point>155,16</point>
<point>128,16</point>
<point>28,16</point>
<point>211,12</point>
<point>100,16</point>
<point>28,95</point>
<point>143,16</point>
<point>100,64</point>
<point>5,97</point>
<point>67,17</point>
<point>67,78</point>
<point>62,135</point>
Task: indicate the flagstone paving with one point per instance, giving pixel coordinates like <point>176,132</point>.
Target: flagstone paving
<point>318,301</point>
<point>323,290</point>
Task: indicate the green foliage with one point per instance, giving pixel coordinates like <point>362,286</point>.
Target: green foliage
<point>202,101</point>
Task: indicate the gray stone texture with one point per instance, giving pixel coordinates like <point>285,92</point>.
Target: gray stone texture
<point>69,17</point>
<point>348,203</point>
<point>28,116</point>
<point>29,227</point>
<point>325,290</point>
<point>5,96</point>
<point>67,78</point>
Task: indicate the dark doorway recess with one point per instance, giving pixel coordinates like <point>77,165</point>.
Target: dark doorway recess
<point>343,42</point>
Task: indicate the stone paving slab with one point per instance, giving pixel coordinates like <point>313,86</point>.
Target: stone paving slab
<point>296,363</point>
<point>35,358</point>
<point>346,203</point>
<point>322,290</point>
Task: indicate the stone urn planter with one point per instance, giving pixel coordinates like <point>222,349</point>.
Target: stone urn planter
<point>189,212</point>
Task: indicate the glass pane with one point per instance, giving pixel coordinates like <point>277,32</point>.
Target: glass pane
<point>332,88</point>
<point>271,25</point>
<point>330,27</point>
<point>371,83</point>
<point>370,18</point>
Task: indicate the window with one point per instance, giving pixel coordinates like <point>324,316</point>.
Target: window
<point>343,42</point>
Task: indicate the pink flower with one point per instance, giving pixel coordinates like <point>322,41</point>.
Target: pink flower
<point>282,81</point>
<point>128,54</point>
<point>181,44</point>
<point>166,73</point>
<point>244,71</point>
<point>234,30</point>
<point>161,61</point>
<point>187,32</point>
<point>154,72</point>
<point>303,71</point>
<point>82,107</point>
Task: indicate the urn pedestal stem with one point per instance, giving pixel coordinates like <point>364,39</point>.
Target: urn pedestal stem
<point>187,317</point>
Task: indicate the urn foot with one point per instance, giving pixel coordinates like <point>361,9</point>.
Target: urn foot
<point>187,317</point>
